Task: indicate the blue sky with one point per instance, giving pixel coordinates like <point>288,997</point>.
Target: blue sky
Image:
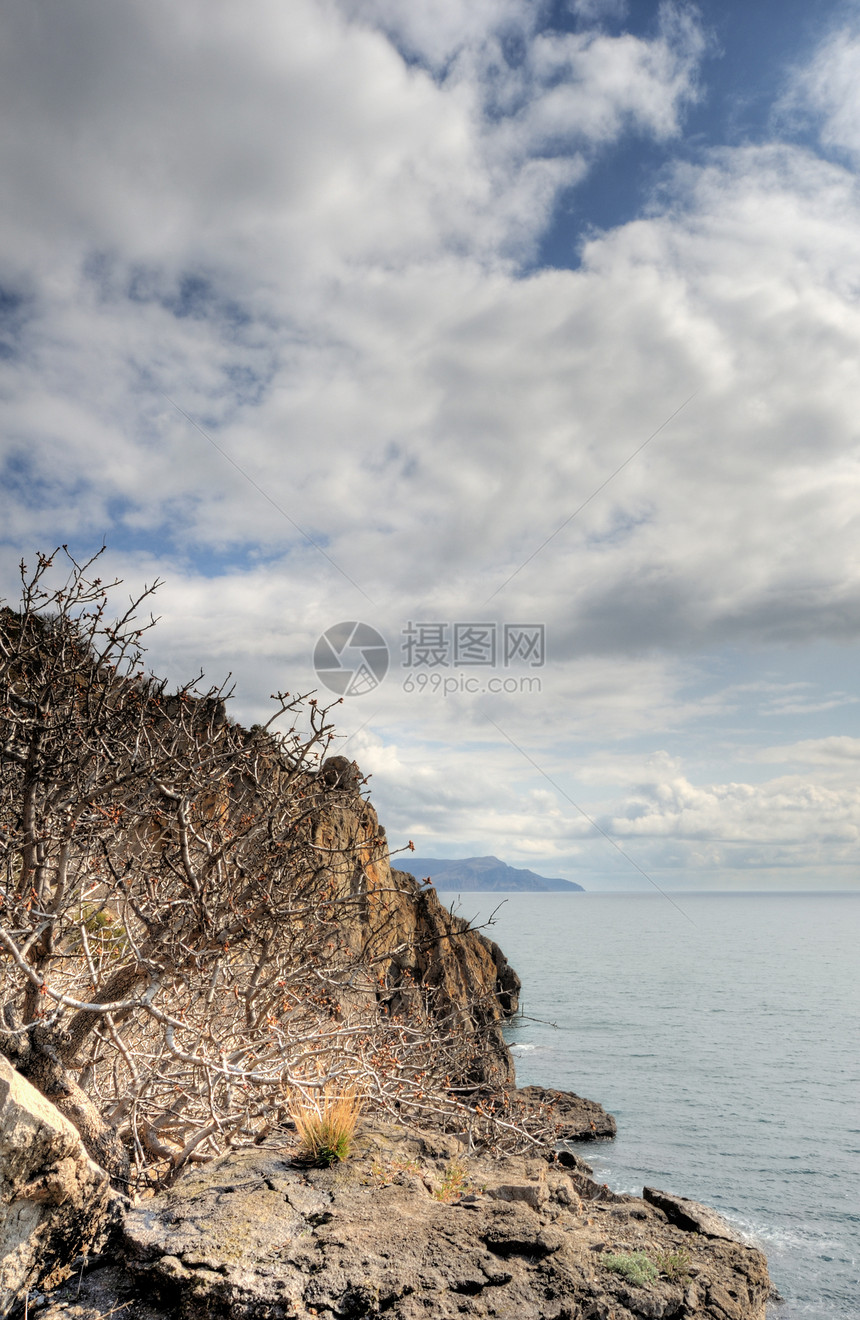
<point>467,312</point>
<point>743,73</point>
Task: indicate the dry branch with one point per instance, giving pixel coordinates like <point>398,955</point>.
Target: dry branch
<point>179,947</point>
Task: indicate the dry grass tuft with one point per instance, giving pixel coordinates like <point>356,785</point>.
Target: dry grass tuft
<point>326,1125</point>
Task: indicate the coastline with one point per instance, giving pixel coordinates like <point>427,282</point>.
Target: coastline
<point>727,1051</point>
<point>415,1228</point>
<point>414,1224</point>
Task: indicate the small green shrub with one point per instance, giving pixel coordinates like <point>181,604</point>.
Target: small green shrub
<point>453,1184</point>
<point>105,933</point>
<point>634,1266</point>
<point>675,1265</point>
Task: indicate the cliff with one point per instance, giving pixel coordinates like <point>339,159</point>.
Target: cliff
<point>417,944</point>
<point>415,1225</point>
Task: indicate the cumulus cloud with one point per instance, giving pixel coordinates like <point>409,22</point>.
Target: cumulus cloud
<point>677,830</point>
<point>826,91</point>
<point>791,824</point>
<point>315,232</point>
<point>275,223</point>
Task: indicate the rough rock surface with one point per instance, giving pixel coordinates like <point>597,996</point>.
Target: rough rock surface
<point>577,1119</point>
<point>54,1201</point>
<point>426,944</point>
<point>690,1215</point>
<point>414,1229</point>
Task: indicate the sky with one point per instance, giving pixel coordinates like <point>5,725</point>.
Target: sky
<point>523,334</point>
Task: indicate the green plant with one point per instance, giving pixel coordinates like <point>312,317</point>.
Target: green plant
<point>382,1175</point>
<point>379,1175</point>
<point>104,933</point>
<point>406,1166</point>
<point>326,1125</point>
<point>675,1265</point>
<point>634,1266</point>
<point>453,1184</point>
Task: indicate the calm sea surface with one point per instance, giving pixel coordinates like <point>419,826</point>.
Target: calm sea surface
<point>728,1048</point>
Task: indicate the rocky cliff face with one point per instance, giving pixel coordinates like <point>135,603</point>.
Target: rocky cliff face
<point>418,942</point>
<point>414,1225</point>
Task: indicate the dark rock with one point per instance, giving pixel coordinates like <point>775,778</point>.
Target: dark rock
<point>339,772</point>
<point>508,984</point>
<point>569,1159</point>
<point>690,1215</point>
<point>577,1119</point>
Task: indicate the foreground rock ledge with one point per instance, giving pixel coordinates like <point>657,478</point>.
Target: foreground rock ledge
<point>413,1229</point>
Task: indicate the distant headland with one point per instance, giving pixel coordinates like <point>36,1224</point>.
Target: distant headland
<point>473,873</point>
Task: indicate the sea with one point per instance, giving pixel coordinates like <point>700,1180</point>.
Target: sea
<point>723,1032</point>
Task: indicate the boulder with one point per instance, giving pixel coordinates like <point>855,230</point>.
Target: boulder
<point>690,1215</point>
<point>54,1201</point>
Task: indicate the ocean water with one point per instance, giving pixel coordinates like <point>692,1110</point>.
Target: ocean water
<point>726,1042</point>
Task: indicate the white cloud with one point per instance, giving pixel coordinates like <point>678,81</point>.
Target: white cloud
<point>828,91</point>
<point>677,830</point>
<point>787,812</point>
<point>279,211</point>
<point>595,11</point>
<point>596,84</point>
<point>314,246</point>
<point>831,752</point>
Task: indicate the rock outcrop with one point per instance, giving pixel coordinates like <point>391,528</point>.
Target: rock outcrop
<point>576,1119</point>
<point>413,1228</point>
<point>414,938</point>
<point>689,1215</point>
<point>54,1201</point>
<point>414,1225</point>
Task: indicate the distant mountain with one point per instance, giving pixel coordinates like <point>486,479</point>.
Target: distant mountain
<point>478,873</point>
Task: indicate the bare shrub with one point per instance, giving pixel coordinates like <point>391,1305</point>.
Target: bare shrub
<point>192,922</point>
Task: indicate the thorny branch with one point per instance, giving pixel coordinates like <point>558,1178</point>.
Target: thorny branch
<point>196,920</point>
